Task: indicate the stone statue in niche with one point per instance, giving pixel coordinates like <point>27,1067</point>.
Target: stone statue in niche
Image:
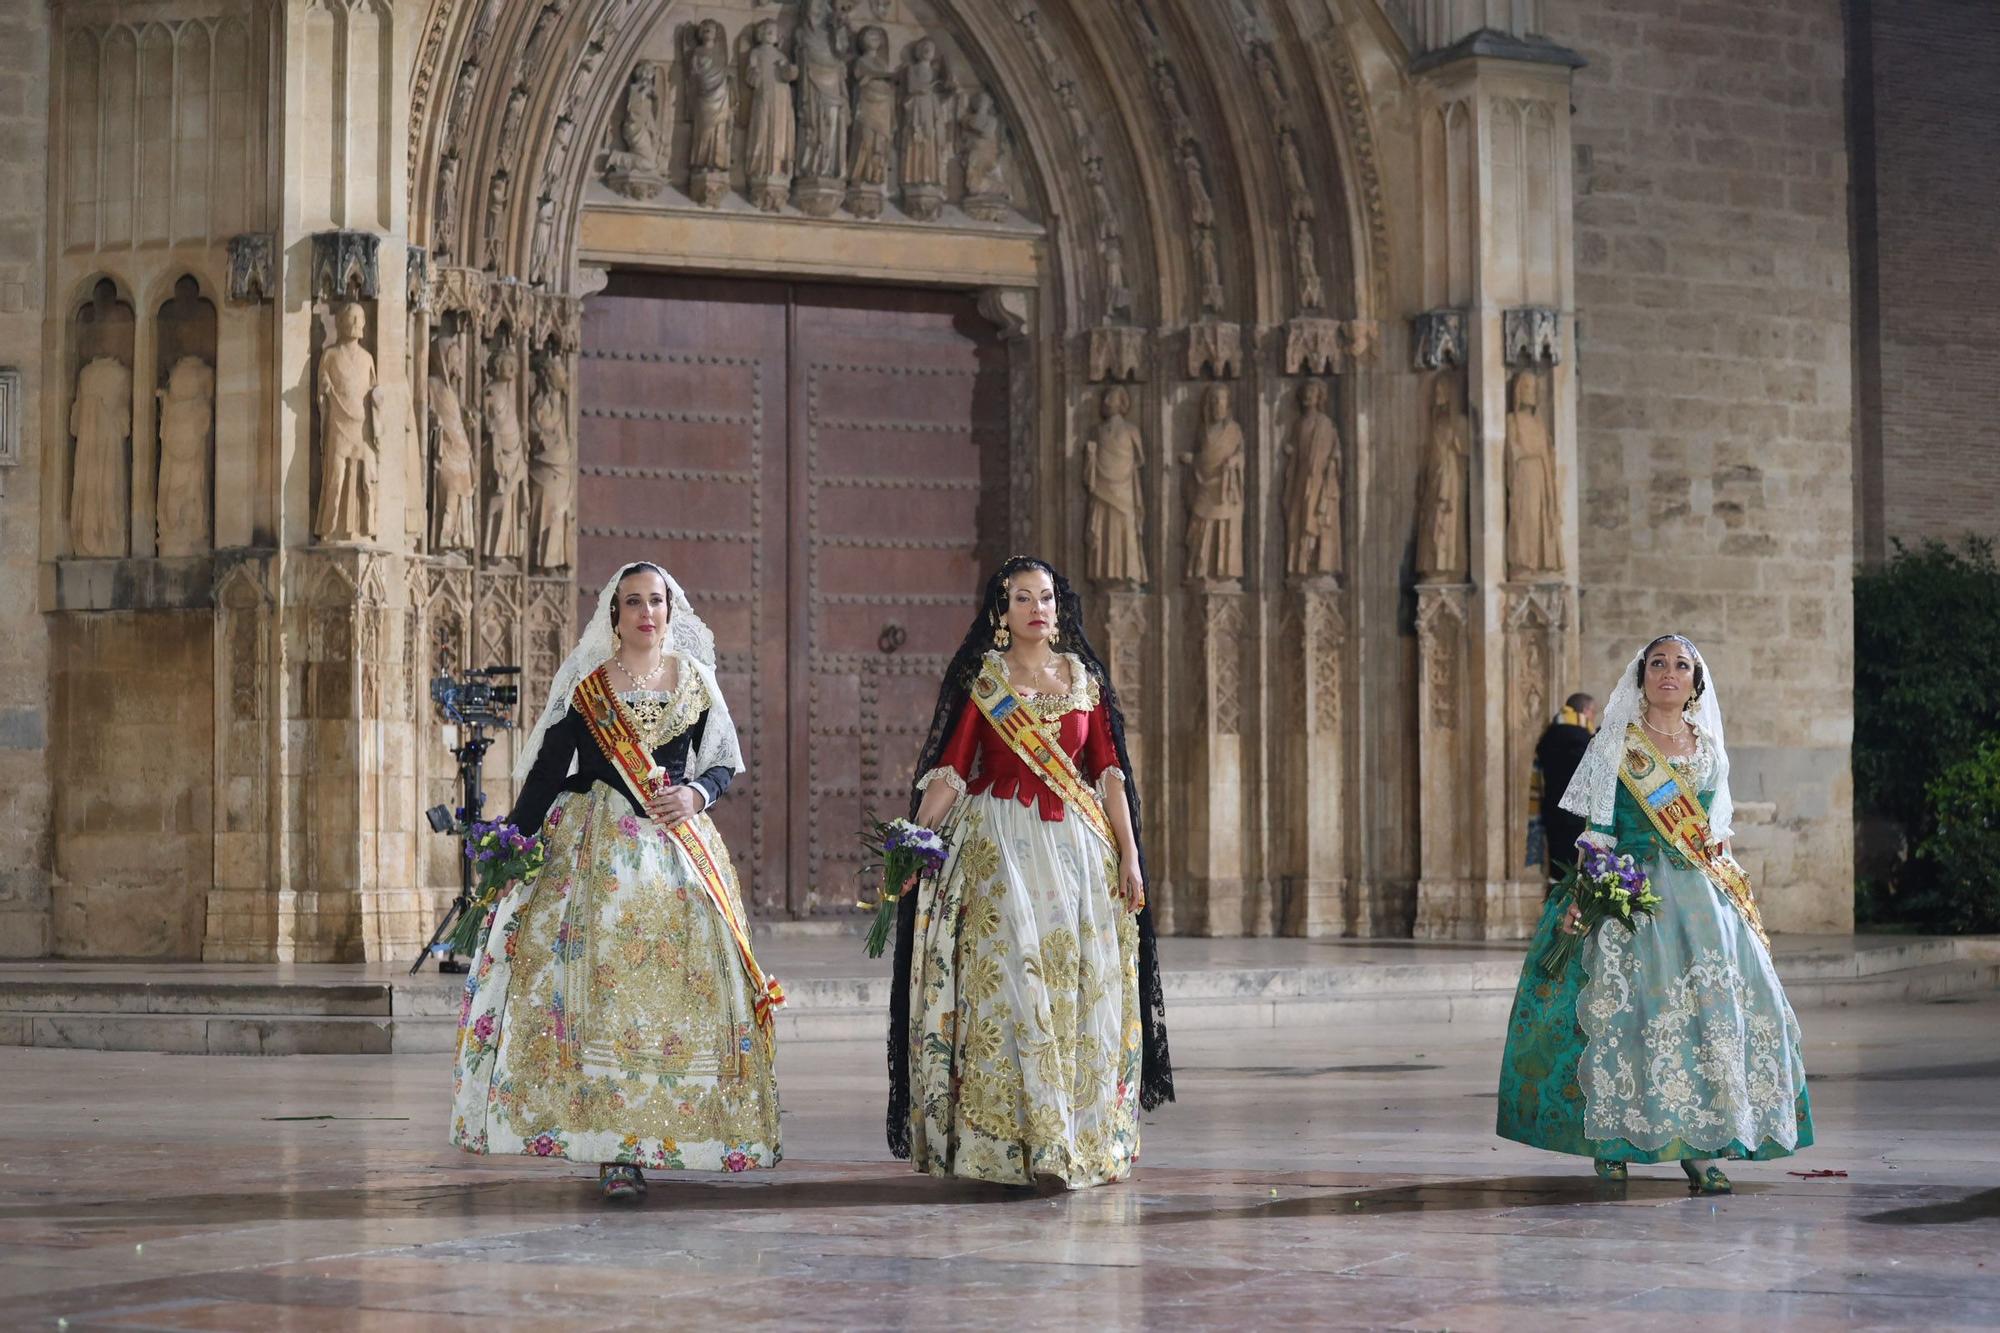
<point>769,144</point>
<point>350,413</point>
<point>637,170</point>
<point>454,484</point>
<point>1210,265</point>
<point>496,217</point>
<point>461,102</point>
<point>447,207</point>
<point>986,196</point>
<point>100,420</point>
<point>1215,494</point>
<point>1100,197</point>
<point>1201,208</point>
<point>1441,490</point>
<point>1312,491</point>
<point>1305,258</point>
<point>1294,168</point>
<point>506,506</point>
<point>187,413</point>
<point>1079,119</point>
<point>1112,460</point>
<point>821,45</point>
<point>713,97</point>
<point>926,131</point>
<point>552,469</point>
<point>874,138</point>
<point>1534,525</point>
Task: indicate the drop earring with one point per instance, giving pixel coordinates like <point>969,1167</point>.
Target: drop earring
<point>1002,636</point>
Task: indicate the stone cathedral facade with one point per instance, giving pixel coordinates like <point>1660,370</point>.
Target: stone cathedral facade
<point>1381,371</point>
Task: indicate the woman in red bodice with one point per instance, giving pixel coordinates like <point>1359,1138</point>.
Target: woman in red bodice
<point>1027,1029</point>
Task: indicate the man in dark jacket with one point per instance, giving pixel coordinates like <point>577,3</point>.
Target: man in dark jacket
<point>1557,755</point>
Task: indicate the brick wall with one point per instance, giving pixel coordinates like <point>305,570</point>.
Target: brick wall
<point>1927,140</point>
<point>24,729</point>
<point>1713,319</point>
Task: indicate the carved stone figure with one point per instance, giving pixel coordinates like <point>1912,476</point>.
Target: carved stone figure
<point>986,194</point>
<point>769,145</point>
<point>1294,168</point>
<point>1215,493</point>
<point>350,409</point>
<point>1100,197</point>
<point>1312,492</point>
<point>510,121</point>
<point>541,248</point>
<point>1201,208</point>
<point>713,96</point>
<point>100,420</point>
<point>496,217</point>
<point>506,505</point>
<point>637,171</point>
<point>1210,265</point>
<point>1079,119</point>
<point>1441,512</point>
<point>1266,70</point>
<point>926,127</point>
<point>1112,460</point>
<point>1534,525</point>
<point>1117,296</point>
<point>821,45</point>
<point>456,122</point>
<point>552,469</point>
<point>446,223</point>
<point>453,481</point>
<point>187,411</point>
<point>1305,258</point>
<point>873,143</point>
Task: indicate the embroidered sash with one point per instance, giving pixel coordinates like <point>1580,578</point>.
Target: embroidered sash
<point>1043,753</point>
<point>1678,817</point>
<point>611,725</point>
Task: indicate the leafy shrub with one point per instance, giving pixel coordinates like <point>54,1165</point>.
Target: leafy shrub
<point>1962,852</point>
<point>1926,696</point>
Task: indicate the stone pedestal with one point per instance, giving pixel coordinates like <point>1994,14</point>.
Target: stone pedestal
<point>1449,900</point>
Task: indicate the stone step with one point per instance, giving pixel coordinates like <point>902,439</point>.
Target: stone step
<point>249,1011</point>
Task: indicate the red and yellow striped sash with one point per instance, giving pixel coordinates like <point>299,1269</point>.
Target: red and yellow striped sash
<point>1026,737</point>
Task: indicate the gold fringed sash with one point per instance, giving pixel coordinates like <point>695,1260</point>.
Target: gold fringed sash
<point>1678,817</point>
<point>611,724</point>
<point>1025,736</point>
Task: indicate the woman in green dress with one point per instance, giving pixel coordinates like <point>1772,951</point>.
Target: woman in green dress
<point>1670,1040</point>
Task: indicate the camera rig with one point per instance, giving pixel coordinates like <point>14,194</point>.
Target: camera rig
<point>474,701</point>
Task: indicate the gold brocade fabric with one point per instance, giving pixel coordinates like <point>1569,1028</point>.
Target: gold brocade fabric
<point>608,1016</point>
<point>1024,1006</point>
<point>1082,697</point>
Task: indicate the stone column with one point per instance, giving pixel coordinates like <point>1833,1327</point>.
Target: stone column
<point>1496,186</point>
<point>1311,773</point>
<point>1217,902</point>
<point>1450,805</point>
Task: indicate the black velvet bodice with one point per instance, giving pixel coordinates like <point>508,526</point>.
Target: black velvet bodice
<point>570,739</point>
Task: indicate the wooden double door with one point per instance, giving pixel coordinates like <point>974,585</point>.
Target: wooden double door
<point>824,470</point>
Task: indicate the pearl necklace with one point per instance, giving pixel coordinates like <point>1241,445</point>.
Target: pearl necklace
<point>645,681</point>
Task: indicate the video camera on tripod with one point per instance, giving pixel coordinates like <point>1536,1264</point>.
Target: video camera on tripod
<point>475,700</point>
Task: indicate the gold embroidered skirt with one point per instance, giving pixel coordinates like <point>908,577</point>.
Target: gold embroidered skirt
<point>1024,1005</point>
<point>608,1017</point>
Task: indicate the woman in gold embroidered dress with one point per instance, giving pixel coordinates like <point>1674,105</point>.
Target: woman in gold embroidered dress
<point>1027,1028</point>
<point>612,1014</point>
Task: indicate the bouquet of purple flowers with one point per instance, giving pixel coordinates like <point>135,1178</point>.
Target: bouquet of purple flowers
<point>1604,886</point>
<point>500,854</point>
<point>909,852</point>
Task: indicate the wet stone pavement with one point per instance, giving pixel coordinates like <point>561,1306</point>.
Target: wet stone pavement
<point>1314,1177</point>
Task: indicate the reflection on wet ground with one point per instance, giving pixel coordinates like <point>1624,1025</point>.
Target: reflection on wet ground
<point>1312,1177</point>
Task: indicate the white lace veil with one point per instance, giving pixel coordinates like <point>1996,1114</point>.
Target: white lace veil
<point>1593,792</point>
<point>686,635</point>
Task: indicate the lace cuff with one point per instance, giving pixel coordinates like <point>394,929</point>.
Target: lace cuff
<point>1603,841</point>
<point>1104,781</point>
<point>948,775</point>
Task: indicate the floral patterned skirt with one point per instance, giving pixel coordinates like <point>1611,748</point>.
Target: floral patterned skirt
<point>1670,1041</point>
<point>608,1017</point>
<point>1024,1005</point>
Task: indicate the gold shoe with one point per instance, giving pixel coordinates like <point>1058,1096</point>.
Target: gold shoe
<point>1709,1181</point>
